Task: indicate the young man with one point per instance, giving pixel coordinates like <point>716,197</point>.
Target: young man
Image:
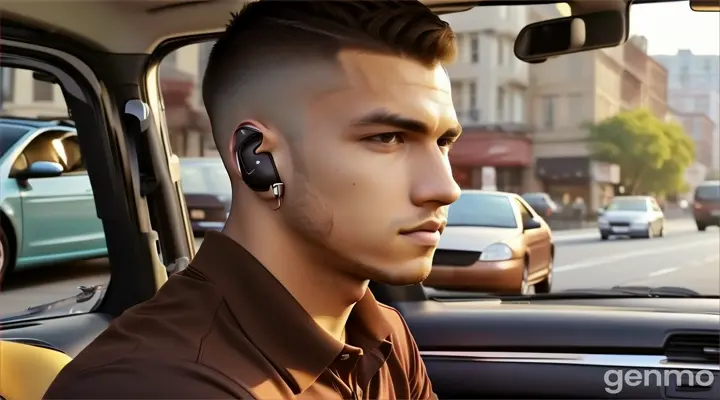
<point>334,120</point>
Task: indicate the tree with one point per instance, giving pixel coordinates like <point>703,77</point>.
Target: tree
<point>652,154</point>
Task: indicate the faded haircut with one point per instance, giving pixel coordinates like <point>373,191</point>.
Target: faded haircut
<point>268,39</point>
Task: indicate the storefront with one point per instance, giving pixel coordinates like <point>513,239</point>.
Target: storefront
<point>566,179</point>
<point>508,154</point>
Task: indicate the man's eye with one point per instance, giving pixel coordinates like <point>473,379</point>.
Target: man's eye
<point>387,138</point>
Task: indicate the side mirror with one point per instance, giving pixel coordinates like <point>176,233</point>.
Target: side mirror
<point>40,169</point>
<point>584,32</point>
<point>600,211</point>
<point>531,224</point>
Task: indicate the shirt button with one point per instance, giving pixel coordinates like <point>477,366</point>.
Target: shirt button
<point>344,357</point>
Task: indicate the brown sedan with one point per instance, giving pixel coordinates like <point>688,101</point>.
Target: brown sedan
<point>494,242</point>
<point>207,193</point>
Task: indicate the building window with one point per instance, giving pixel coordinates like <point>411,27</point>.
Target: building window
<point>475,49</point>
<point>500,51</point>
<point>575,109</point>
<point>472,88</point>
<point>548,112</point>
<point>456,92</point>
<point>501,100</point>
<point>43,91</point>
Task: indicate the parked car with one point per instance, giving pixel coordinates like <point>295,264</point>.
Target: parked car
<point>47,208</point>
<point>206,186</point>
<point>542,203</point>
<point>633,216</point>
<point>706,208</point>
<point>493,242</point>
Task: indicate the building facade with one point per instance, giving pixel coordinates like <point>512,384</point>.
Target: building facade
<point>490,93</point>
<point>568,92</point>
<point>694,87</point>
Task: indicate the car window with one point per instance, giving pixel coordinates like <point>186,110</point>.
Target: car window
<point>628,205</point>
<point>51,239</point>
<point>708,192</point>
<point>472,209</point>
<point>205,178</point>
<point>570,148</point>
<point>525,214</point>
<point>9,136</point>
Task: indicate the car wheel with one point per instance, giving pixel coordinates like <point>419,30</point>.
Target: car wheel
<point>604,236</point>
<point>701,227</point>
<point>4,255</point>
<point>545,286</point>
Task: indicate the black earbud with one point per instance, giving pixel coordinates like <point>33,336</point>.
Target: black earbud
<point>258,169</point>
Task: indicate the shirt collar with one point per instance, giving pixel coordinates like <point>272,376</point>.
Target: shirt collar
<point>274,321</point>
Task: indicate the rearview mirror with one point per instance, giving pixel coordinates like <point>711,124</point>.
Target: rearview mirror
<point>539,41</point>
<point>529,224</point>
<point>40,169</point>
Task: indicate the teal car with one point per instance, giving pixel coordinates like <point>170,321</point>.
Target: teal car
<point>47,209</point>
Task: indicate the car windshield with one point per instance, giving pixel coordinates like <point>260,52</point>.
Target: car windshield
<point>628,205</point>
<point>485,210</point>
<point>585,131</point>
<point>708,193</point>
<point>205,178</point>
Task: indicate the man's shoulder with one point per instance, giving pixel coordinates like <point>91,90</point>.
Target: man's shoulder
<point>165,332</point>
<point>139,376</point>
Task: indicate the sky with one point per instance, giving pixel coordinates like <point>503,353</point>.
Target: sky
<point>672,26</point>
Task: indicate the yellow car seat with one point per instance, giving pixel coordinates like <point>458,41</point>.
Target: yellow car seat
<point>26,371</point>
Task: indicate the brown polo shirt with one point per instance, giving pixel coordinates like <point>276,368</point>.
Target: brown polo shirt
<point>225,328</point>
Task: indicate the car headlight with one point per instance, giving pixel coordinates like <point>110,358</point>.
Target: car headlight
<point>496,252</point>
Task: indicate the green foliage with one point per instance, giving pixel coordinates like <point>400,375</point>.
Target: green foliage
<point>652,154</point>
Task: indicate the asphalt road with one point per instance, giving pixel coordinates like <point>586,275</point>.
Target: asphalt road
<point>684,257</point>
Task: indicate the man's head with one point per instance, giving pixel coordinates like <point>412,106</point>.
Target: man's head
<point>355,107</point>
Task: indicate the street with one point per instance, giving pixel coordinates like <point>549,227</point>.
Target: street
<point>684,257</point>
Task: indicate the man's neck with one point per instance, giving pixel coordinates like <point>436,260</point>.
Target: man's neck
<point>325,293</point>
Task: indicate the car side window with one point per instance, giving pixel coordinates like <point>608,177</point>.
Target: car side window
<point>51,239</point>
<point>525,214</point>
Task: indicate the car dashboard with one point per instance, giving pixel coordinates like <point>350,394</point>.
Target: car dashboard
<point>569,349</point>
<point>529,349</point>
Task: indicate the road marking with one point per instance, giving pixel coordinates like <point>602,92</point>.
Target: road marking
<point>662,272</point>
<point>612,259</point>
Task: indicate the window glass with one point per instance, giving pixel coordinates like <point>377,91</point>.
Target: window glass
<point>51,239</point>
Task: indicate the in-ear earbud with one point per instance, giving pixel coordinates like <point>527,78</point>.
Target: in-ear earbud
<point>258,170</point>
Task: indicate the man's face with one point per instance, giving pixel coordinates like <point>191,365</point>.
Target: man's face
<point>373,165</point>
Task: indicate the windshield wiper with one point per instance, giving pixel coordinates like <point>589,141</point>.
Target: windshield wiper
<point>587,293</point>
<point>637,291</point>
<point>62,306</point>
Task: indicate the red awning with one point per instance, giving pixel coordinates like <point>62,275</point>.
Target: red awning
<point>176,86</point>
<point>489,149</point>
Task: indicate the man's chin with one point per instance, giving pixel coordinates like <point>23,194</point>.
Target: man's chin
<point>404,276</point>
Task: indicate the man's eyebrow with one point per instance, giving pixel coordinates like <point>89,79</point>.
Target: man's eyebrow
<point>382,117</point>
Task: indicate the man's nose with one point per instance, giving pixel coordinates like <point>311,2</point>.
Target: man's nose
<point>433,182</point>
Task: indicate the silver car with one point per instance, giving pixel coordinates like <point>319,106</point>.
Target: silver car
<point>633,216</point>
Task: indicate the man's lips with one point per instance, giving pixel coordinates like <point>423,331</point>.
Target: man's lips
<point>426,234</point>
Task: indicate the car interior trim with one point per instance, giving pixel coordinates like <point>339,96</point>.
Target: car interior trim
<point>607,360</point>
